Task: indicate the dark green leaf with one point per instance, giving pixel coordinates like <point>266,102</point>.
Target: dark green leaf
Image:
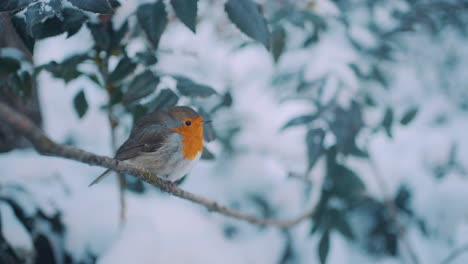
<point>346,125</point>
<point>119,34</point>
<point>95,6</point>
<point>378,75</point>
<point>39,12</point>
<point>10,5</point>
<point>143,85</point>
<point>122,70</point>
<point>80,103</point>
<point>314,141</point>
<point>186,11</point>
<point>20,25</point>
<point>153,20</point>
<point>100,35</point>
<point>67,69</point>
<point>387,121</point>
<point>8,65</point>
<point>324,247</point>
<point>165,99</point>
<point>208,130</point>
<point>300,120</point>
<point>246,16</point>
<point>207,155</point>
<point>341,224</point>
<point>344,182</point>
<point>409,115</point>
<point>147,57</point>
<point>278,42</point>
<point>138,111</point>
<point>72,20</point>
<point>189,88</point>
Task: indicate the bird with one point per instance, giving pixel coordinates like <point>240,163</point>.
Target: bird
<point>166,142</point>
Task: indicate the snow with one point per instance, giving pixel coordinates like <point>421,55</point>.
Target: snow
<point>165,229</point>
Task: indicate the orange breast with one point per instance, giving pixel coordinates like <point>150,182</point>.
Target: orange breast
<point>192,137</point>
<point>191,146</point>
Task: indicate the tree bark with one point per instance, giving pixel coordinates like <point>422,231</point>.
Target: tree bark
<point>28,106</point>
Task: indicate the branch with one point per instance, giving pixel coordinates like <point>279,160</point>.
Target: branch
<point>46,146</point>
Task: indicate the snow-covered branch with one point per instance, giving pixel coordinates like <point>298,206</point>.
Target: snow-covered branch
<point>45,146</point>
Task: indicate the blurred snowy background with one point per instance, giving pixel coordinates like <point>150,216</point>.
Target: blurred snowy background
<point>358,108</point>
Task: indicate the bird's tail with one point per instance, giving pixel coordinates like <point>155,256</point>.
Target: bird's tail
<point>99,178</point>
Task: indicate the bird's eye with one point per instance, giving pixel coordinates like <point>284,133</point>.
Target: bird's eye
<point>188,123</point>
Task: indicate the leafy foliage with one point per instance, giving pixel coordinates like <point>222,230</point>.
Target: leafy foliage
<point>153,20</point>
<point>246,16</point>
<point>332,130</point>
<point>186,11</point>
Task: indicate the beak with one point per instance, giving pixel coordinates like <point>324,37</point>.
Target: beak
<point>207,121</point>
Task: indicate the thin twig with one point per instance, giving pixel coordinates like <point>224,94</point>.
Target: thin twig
<point>46,146</point>
<point>113,122</point>
<point>456,253</point>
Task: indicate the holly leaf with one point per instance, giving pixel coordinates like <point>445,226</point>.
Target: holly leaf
<point>186,11</point>
<point>142,85</point>
<point>122,70</point>
<point>95,6</point>
<point>300,120</point>
<point>324,247</point>
<point>165,99</point>
<point>153,20</point>
<point>314,141</point>
<point>100,35</point>
<point>80,103</point>
<point>409,115</point>
<point>188,87</point>
<point>246,16</point>
<point>207,154</point>
<point>278,42</point>
<point>387,121</point>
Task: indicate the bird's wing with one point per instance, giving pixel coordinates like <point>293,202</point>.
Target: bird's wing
<point>148,135</point>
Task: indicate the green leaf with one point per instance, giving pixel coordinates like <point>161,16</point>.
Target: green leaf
<point>207,154</point>
<point>409,115</point>
<point>39,12</point>
<point>341,224</point>
<point>324,247</point>
<point>278,42</point>
<point>186,11</point>
<point>72,21</point>
<point>188,87</point>
<point>146,57</point>
<point>67,69</point>
<point>122,70</point>
<point>153,20</point>
<point>209,133</point>
<point>314,141</point>
<point>8,65</point>
<point>165,99</point>
<point>300,120</point>
<point>387,121</point>
<point>80,103</point>
<point>246,16</point>
<point>100,35</point>
<point>119,35</point>
<point>142,85</point>
<point>95,6</point>
<point>10,5</point>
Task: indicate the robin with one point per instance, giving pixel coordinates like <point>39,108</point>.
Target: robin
<point>167,142</point>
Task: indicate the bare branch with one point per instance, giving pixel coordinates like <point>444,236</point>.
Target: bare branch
<point>46,146</point>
